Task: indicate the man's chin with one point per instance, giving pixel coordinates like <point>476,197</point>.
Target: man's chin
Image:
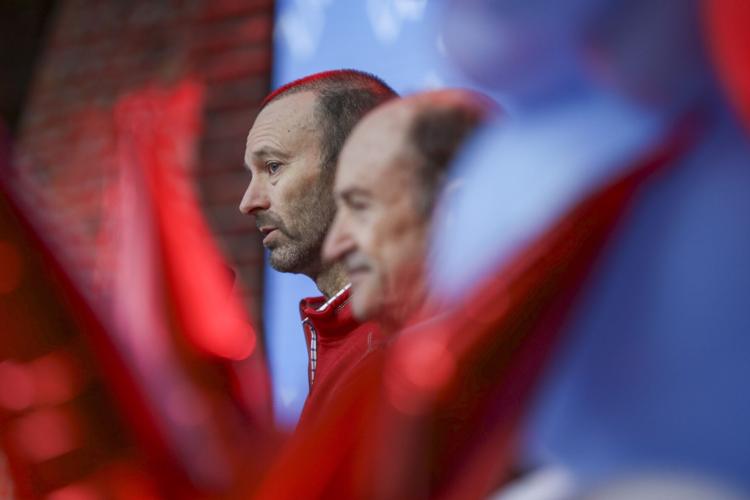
<point>285,260</point>
<point>362,307</point>
<point>359,313</point>
<point>282,266</point>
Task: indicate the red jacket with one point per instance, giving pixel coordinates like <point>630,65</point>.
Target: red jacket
<point>336,344</point>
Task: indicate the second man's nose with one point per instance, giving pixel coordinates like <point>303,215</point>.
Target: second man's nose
<point>338,242</point>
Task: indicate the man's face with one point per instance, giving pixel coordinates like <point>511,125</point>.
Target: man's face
<point>288,192</point>
<point>378,233</point>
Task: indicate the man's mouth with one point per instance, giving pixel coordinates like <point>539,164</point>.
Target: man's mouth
<point>267,231</point>
<point>356,273</point>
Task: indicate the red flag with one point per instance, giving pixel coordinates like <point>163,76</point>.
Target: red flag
<point>160,348</point>
<point>177,317</point>
<point>60,423</point>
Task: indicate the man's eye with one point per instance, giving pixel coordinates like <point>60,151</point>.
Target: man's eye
<point>357,205</point>
<point>272,167</point>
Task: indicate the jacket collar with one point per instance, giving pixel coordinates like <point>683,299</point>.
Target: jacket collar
<point>332,317</point>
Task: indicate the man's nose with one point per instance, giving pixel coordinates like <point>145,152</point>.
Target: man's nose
<point>255,198</point>
<point>338,241</point>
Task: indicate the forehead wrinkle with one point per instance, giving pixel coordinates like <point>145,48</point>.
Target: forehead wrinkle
<point>284,126</point>
<point>265,135</point>
<point>372,148</point>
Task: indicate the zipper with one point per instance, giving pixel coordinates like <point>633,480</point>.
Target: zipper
<point>312,352</point>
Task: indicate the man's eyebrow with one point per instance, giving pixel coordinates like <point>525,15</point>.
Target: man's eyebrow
<point>268,151</point>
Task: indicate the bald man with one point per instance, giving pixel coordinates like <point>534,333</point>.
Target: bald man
<point>291,155</point>
<point>390,173</point>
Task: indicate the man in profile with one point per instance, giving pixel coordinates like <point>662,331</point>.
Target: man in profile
<point>391,172</point>
<point>291,154</point>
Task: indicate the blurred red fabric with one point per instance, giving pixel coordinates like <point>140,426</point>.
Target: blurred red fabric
<point>181,402</point>
<point>728,36</point>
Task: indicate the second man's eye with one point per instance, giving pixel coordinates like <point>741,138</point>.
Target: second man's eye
<point>272,167</point>
<point>357,205</point>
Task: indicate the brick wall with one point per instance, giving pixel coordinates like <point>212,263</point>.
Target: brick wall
<point>95,52</point>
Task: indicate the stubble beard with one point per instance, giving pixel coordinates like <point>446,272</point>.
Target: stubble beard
<point>299,250</point>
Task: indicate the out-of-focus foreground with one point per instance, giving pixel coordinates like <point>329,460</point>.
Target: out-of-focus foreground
<point>587,330</point>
